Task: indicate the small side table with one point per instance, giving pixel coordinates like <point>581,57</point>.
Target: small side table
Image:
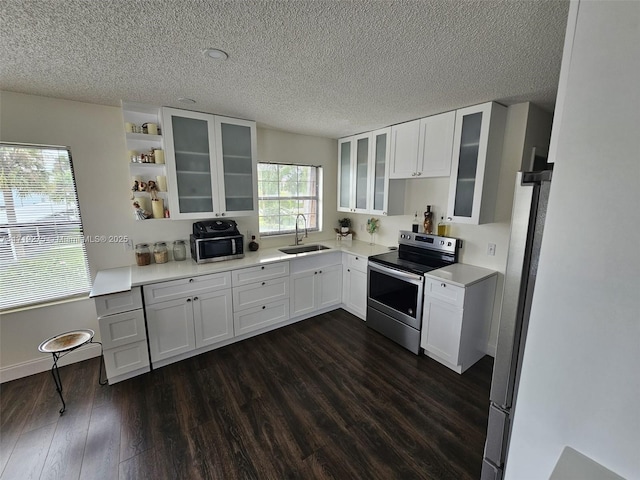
<point>64,343</point>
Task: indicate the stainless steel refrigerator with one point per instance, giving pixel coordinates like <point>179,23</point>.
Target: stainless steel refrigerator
<point>527,225</point>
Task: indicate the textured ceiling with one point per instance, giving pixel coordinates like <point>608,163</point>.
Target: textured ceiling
<point>328,68</point>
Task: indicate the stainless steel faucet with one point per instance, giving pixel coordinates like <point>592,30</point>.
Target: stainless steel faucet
<point>299,240</point>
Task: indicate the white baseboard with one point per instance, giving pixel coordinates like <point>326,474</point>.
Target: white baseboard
<point>491,349</point>
<point>31,367</point>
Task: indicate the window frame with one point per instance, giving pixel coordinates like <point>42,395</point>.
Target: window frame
<point>56,228</point>
<point>317,198</point>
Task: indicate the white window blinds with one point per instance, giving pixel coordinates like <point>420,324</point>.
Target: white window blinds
<point>284,191</point>
<point>42,250</point>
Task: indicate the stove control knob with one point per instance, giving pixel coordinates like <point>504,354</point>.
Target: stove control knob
<point>441,242</point>
<point>448,244</point>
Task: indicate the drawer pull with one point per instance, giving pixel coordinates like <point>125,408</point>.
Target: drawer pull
<point>263,283</point>
<point>262,268</point>
<point>443,285</point>
<point>263,307</point>
<point>191,280</point>
<point>320,271</point>
<point>195,298</point>
<point>348,270</point>
<point>188,300</point>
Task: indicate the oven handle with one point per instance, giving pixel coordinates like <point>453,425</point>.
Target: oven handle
<point>412,277</point>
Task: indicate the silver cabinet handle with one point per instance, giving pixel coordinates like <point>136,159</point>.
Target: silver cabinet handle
<point>195,298</point>
<point>188,300</point>
<point>191,280</point>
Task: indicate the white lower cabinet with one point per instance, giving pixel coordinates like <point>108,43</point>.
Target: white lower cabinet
<point>123,334</point>
<point>355,285</point>
<point>456,321</point>
<point>189,322</point>
<point>316,289</point>
<point>260,297</point>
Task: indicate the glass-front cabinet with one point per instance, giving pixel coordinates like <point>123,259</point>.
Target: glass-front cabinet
<point>475,169</point>
<point>236,147</point>
<point>211,164</point>
<point>354,173</point>
<point>363,175</point>
<point>381,140</point>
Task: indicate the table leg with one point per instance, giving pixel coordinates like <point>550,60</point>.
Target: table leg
<point>55,372</point>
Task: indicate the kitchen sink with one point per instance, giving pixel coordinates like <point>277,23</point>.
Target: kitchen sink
<point>303,249</point>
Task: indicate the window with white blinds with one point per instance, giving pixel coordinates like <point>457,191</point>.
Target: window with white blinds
<point>286,191</point>
<point>42,250</point>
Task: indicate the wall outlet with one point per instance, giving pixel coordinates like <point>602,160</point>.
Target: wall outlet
<point>491,249</point>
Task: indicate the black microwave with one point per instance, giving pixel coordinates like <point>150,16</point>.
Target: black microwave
<point>216,249</point>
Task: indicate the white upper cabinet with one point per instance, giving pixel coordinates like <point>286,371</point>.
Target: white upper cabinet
<point>363,177</point>
<point>436,145</point>
<point>354,177</point>
<point>405,145</point>
<point>211,164</point>
<point>475,169</point>
<point>422,148</point>
<point>236,152</point>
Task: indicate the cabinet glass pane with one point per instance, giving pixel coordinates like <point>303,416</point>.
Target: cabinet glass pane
<point>380,165</point>
<point>237,165</point>
<point>468,164</point>
<point>193,168</point>
<point>345,174</point>
<point>362,163</point>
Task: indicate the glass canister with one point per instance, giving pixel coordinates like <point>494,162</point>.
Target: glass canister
<point>143,254</point>
<point>160,252</point>
<point>179,251</point>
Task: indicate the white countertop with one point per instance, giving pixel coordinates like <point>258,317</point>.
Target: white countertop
<point>123,278</point>
<point>461,274</point>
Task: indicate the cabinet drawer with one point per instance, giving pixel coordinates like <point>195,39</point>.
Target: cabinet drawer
<point>446,292</point>
<point>118,302</point>
<point>125,359</point>
<point>122,328</point>
<point>260,317</point>
<point>357,263</point>
<point>186,287</point>
<point>257,294</point>
<point>249,275</point>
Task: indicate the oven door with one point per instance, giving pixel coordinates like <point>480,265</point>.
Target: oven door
<point>396,293</point>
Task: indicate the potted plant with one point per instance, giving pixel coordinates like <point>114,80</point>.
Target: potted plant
<point>345,225</point>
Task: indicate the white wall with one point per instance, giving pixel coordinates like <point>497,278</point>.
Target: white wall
<point>95,136</point>
<point>580,384</point>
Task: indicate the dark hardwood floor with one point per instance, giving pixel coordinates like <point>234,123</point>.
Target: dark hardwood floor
<point>324,398</point>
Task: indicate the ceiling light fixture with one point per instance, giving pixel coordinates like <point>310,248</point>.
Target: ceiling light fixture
<point>215,54</point>
<point>186,100</point>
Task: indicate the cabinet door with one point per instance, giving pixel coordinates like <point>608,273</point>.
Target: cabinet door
<point>256,318</point>
<point>345,175</point>
<point>405,139</point>
<point>441,330</point>
<point>304,292</point>
<point>191,166</point>
<point>330,285</point>
<point>379,168</point>
<point>122,328</point>
<point>171,330</point>
<point>355,292</point>
<point>475,167</point>
<point>436,145</point>
<point>237,166</point>
<point>361,176</point>
<point>213,317</point>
